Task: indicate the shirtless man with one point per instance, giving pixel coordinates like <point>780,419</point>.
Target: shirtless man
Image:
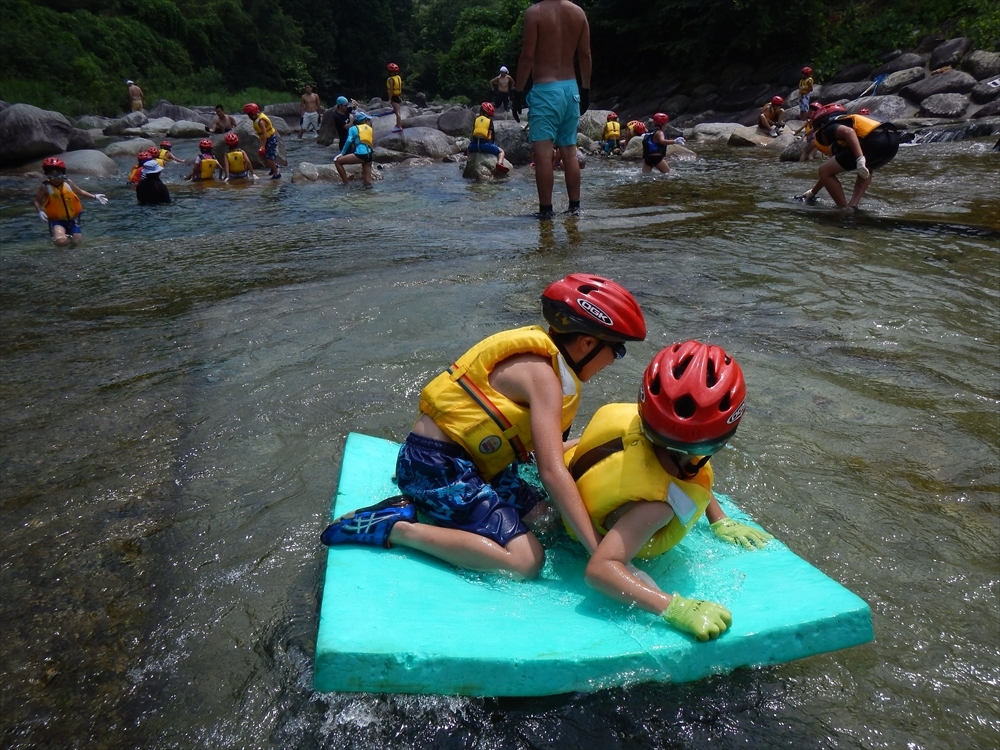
<point>554,32</point>
<point>135,95</point>
<point>223,122</point>
<point>309,111</point>
<point>502,86</point>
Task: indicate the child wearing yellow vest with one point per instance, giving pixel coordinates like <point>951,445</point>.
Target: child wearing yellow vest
<point>58,202</point>
<point>359,148</point>
<point>205,163</point>
<point>483,137</point>
<point>394,90</point>
<point>644,475</point>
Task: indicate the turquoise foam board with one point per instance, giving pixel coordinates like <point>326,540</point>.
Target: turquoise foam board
<point>397,621</point>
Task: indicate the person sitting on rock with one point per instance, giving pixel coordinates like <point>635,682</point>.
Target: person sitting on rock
<point>482,141</point>
<point>205,164</point>
<point>612,136</point>
<point>643,473</point>
<point>151,191</point>
<point>358,149</point>
<point>654,146</point>
<point>58,203</point>
<point>237,165</point>
<point>222,123</point>
<point>772,116</point>
<point>854,142</point>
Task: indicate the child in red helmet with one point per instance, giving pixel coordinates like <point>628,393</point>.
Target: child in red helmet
<point>644,475</point>
<point>654,145</point>
<point>394,89</point>
<point>772,116</point>
<point>205,164</point>
<point>612,135</point>
<point>482,140</point>
<point>237,165</point>
<point>268,136</point>
<point>58,203</point>
<point>513,394</point>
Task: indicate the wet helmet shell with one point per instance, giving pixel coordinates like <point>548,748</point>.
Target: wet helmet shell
<point>827,111</point>
<point>392,68</point>
<point>807,71</point>
<point>251,109</point>
<point>487,108</point>
<point>661,118</point>
<point>777,101</point>
<point>692,398</point>
<point>232,139</point>
<point>53,163</point>
<point>595,306</point>
<point>166,144</point>
<point>205,144</point>
<point>612,116</point>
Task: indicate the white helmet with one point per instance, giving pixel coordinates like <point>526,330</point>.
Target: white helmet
<point>503,69</point>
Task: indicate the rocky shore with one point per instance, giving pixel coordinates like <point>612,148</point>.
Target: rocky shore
<point>942,90</point>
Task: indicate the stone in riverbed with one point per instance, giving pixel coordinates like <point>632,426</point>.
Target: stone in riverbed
<point>944,105</point>
<point>27,132</point>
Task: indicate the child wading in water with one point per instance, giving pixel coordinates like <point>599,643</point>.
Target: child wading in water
<point>58,202</point>
<point>237,165</point>
<point>654,146</point>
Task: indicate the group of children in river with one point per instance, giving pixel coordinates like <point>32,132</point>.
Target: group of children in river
<point>853,141</point>
<point>633,485</point>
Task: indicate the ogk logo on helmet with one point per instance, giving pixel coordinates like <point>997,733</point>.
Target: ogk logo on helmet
<point>595,312</point>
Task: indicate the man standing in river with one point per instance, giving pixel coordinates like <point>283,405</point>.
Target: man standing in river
<point>310,110</point>
<point>554,32</point>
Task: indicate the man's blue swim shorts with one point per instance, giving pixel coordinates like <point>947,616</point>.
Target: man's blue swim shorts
<point>554,112</point>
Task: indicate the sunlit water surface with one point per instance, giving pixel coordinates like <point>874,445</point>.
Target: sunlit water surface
<point>176,393</point>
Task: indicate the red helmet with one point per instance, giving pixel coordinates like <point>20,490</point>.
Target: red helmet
<point>392,68</point>
<point>777,101</point>
<point>660,118</point>
<point>205,145</point>
<point>232,139</point>
<point>149,153</point>
<point>638,127</point>
<point>487,109</point>
<point>53,163</point>
<point>807,71</point>
<point>166,144</point>
<point>864,111</point>
<point>612,116</point>
<point>829,110</point>
<point>595,306</point>
<point>692,398</point>
<point>251,109</point>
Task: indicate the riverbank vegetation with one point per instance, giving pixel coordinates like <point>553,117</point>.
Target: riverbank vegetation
<point>74,55</point>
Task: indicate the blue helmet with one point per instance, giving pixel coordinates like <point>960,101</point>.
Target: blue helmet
<point>341,101</point>
<point>361,116</point>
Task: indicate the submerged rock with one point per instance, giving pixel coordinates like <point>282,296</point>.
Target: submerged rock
<point>484,168</point>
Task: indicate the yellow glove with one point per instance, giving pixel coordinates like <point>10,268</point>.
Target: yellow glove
<point>700,618</point>
<point>735,532</point>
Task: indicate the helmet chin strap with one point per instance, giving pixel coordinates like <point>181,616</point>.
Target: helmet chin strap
<point>577,367</point>
<point>689,470</point>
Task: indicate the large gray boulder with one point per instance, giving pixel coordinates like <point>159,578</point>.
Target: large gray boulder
<point>80,140</point>
<point>457,121</point>
<point>901,62</point>
<point>27,132</point>
<point>420,142</point>
<point>836,91</point>
<point>429,120</point>
<point>126,122</point>
<point>483,168</point>
<point>675,105</point>
<point>176,112</point>
<point>155,128</point>
<point>944,105</point>
<point>952,82</point>
<point>991,109</point>
<point>856,72</point>
<point>896,82</point>
<point>306,172</point>
<point>388,156</point>
<point>592,123</point>
<point>950,52</point>
<point>89,122</point>
<point>513,139</point>
<point>81,164</point>
<point>745,97</point>
<point>752,136</point>
<point>283,109</point>
<point>187,129</point>
<point>712,131</point>
<point>883,108</point>
<point>982,64</point>
<point>986,91</point>
<point>129,148</point>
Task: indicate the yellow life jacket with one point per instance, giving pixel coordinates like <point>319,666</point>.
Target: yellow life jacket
<point>633,473</point>
<point>805,85</point>
<point>481,129</point>
<point>394,86</point>
<point>237,163</point>
<point>208,166</point>
<point>494,430</point>
<point>612,131</point>
<point>61,203</point>
<point>365,134</point>
<point>164,153</point>
<point>863,126</point>
<point>263,126</point>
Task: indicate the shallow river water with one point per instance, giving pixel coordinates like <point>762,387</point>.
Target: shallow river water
<point>175,396</point>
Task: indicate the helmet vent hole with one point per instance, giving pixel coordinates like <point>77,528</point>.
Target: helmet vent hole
<point>711,377</point>
<point>685,407</point>
<point>724,404</point>
<point>586,289</point>
<point>654,386</point>
<point>680,367</point>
